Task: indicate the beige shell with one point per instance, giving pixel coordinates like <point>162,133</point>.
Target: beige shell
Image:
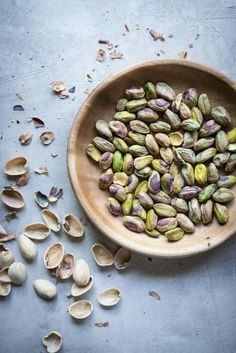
<point>53,342</point>
<point>57,86</point>
<point>12,197</point>
<point>81,309</point>
<point>53,255</point>
<point>81,274</point>
<point>45,289</point>
<point>102,255</point>
<point>16,166</point>
<point>73,226</point>
<point>4,277</point>
<point>66,268</point>
<point>17,273</point>
<point>5,289</point>
<point>109,297</point>
<point>77,291</point>
<point>27,248</point>
<point>51,219</point>
<point>122,258</point>
<point>36,231</point>
<point>6,256</point>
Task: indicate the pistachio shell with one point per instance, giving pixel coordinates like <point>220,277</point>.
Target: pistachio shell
<point>47,137</point>
<point>12,197</point>
<point>41,199</point>
<point>36,231</point>
<point>17,273</point>
<point>122,258</point>
<point>45,289</point>
<point>5,289</point>
<point>53,255</point>
<point>51,219</point>
<point>73,226</point>
<point>77,291</point>
<point>27,248</point>
<point>66,267</point>
<point>102,255</point>
<point>6,257</point>
<point>81,274</point>
<point>4,277</point>
<point>109,297</point>
<point>16,166</point>
<point>53,342</point>
<point>81,309</point>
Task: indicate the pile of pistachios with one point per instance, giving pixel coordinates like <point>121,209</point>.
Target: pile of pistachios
<point>165,160</point>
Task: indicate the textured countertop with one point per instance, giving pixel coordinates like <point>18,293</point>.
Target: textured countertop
<point>42,41</point>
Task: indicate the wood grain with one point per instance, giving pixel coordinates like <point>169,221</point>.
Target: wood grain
<point>83,174</point>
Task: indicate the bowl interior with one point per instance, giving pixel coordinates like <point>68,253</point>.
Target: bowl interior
<point>84,173</point>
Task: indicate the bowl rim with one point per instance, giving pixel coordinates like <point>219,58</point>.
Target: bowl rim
<point>197,249</point>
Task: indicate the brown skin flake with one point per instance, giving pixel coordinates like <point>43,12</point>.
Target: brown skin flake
<point>154,295</point>
<point>102,324</point>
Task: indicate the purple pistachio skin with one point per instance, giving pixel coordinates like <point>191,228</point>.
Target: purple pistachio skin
<point>159,104</point>
<point>209,128</point>
<point>106,160</point>
<point>118,128</point>
<point>188,192</point>
<point>154,182</point>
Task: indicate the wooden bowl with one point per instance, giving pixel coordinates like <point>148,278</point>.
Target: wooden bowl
<point>84,174</point>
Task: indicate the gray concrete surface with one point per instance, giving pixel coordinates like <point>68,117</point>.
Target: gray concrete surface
<point>42,41</point>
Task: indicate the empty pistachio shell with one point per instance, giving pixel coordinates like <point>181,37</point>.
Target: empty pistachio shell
<point>221,116</point>
<point>159,104</point>
<point>77,291</point>
<point>93,152</point>
<point>81,309</point>
<point>122,258</point>
<point>204,143</point>
<point>73,226</point>
<point>231,163</point>
<point>150,90</point>
<point>4,276</point>
<point>5,289</point>
<point>188,174</point>
<point>209,128</point>
<point>221,213</point>
<point>81,274</point>
<point>120,106</point>
<point>109,297</point>
<point>190,125</point>
<point>176,138</point>
<point>27,248</point>
<point>51,219</point>
<point>206,155</point>
<point>106,160</point>
<point>139,126</point>
<point>231,135</point>
<point>57,86</point>
<point>201,174</point>
<point>207,212</point>
<point>151,144</point>
<point>53,342</point>
<point>188,192</point>
<point>174,234</point>
<point>106,178</point>
<point>223,195</point>
<point>221,141</point>
<point>226,181</point>
<point>160,126</point>
<point>133,223</point>
<point>221,158</point>
<point>17,273</point>
<point>185,223</point>
<point>45,289</point>
<point>16,166</point>
<point>41,199</point>
<point>204,104</point>
<point>114,206</point>
<point>47,137</point>
<point>135,105</point>
<point>147,115</point>
<point>104,130</point>
<point>53,255</point>
<point>212,173</point>
<point>103,145</point>
<point>179,204</point>
<point>124,116</point>
<point>165,91</point>
<point>165,224</point>
<point>194,211</point>
<point>6,257</point>
<point>36,231</point>
<point>66,267</point>
<point>206,193</point>
<point>164,210</point>
<point>12,197</point>
<point>102,255</point>
<point>185,111</point>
